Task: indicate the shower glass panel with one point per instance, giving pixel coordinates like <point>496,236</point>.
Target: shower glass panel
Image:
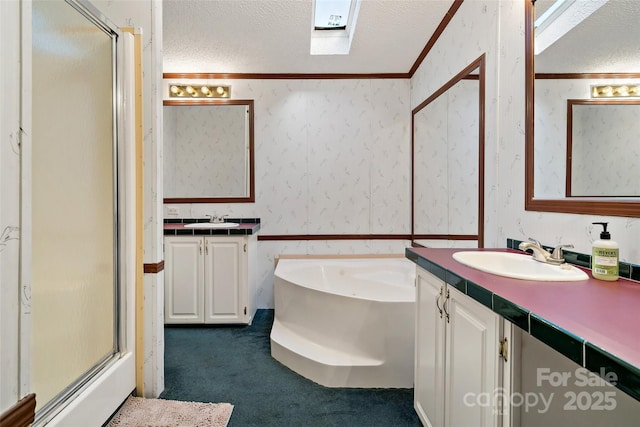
<point>73,287</point>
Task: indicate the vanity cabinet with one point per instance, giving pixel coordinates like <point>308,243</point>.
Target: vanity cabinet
<point>458,362</point>
<point>207,279</point>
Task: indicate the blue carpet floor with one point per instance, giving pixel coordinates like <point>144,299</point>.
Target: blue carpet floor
<point>234,364</point>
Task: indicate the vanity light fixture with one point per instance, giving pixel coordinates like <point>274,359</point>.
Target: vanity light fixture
<point>615,91</point>
<point>199,91</point>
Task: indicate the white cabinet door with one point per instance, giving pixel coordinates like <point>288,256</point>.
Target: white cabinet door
<point>183,280</point>
<point>225,289</point>
<point>206,280</point>
<point>472,364</point>
<point>457,363</point>
<point>429,358</point>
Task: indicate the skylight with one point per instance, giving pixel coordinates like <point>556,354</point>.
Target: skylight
<point>331,14</point>
<point>332,26</point>
<point>559,19</point>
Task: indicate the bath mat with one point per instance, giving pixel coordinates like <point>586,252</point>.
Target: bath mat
<point>141,412</point>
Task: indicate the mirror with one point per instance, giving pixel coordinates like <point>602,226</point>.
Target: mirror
<point>448,163</point>
<point>605,157</point>
<point>208,151</point>
<point>595,52</point>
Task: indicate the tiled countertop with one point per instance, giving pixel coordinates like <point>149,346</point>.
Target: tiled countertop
<point>177,228</point>
<point>593,322</point>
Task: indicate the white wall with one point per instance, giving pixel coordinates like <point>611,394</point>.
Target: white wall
<point>10,301</point>
<point>497,28</point>
<point>332,157</point>
<point>549,228</point>
<point>472,32</point>
<point>146,15</point>
<point>446,159</point>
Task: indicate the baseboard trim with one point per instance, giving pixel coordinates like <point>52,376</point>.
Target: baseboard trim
<point>21,414</point>
<point>334,237</point>
<point>154,267</point>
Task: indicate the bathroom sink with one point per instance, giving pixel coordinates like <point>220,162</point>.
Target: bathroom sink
<point>212,225</point>
<point>518,266</point>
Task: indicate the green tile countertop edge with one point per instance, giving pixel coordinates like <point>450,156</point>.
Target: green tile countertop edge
<point>213,231</point>
<point>584,353</point>
<point>198,220</point>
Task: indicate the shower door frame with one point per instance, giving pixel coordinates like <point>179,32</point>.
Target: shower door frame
<point>98,392</point>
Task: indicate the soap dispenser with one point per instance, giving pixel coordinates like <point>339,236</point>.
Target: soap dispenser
<point>604,257</point>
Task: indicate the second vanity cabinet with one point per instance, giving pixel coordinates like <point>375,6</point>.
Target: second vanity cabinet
<point>207,279</point>
<point>459,365</point>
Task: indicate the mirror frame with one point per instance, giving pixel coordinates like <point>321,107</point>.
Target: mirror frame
<point>251,197</point>
<point>613,206</point>
<point>464,74</point>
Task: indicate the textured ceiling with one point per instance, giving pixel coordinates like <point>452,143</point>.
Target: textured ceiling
<point>273,36</point>
<point>606,42</point>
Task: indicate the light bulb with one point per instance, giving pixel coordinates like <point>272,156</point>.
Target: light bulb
<point>621,91</point>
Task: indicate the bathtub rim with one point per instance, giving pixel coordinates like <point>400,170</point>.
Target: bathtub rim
<point>343,257</point>
<point>277,258</point>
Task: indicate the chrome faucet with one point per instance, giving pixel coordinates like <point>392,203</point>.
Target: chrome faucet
<point>541,254</point>
<point>216,219</point>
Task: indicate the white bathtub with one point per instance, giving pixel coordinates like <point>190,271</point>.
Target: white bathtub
<point>346,322</point>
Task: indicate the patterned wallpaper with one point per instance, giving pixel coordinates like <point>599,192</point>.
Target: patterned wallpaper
<point>332,157</point>
<point>471,33</point>
<point>298,193</point>
<point>446,162</point>
<point>11,276</point>
<point>513,220</point>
